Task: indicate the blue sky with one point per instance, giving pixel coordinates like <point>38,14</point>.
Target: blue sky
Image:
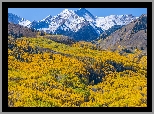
<point>40,13</point>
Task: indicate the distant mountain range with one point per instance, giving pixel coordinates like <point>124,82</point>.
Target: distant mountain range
<point>79,24</point>
<point>12,18</point>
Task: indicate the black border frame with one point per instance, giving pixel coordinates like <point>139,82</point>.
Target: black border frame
<point>6,5</point>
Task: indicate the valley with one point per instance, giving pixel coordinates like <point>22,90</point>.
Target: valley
<point>60,66</point>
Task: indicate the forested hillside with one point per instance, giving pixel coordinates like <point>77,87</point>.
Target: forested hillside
<point>45,72</point>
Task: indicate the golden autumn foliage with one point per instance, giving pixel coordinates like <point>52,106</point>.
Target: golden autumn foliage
<point>44,73</point>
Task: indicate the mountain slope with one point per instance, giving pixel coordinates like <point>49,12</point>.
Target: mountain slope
<point>131,36</point>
